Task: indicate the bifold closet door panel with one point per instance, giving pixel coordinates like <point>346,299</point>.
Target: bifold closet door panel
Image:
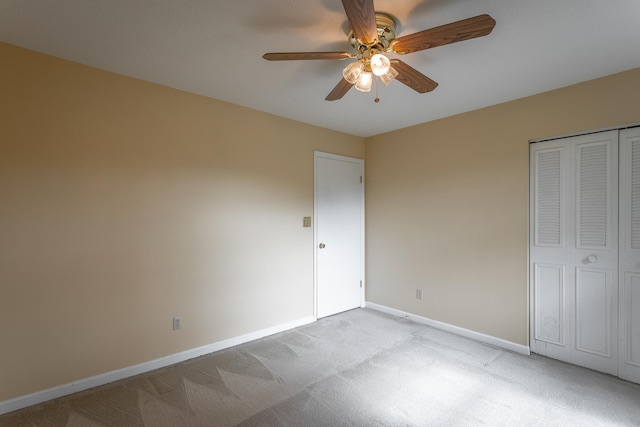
<point>629,367</point>
<point>549,250</point>
<point>594,251</point>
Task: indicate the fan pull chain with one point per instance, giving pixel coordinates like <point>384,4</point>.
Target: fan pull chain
<point>376,83</point>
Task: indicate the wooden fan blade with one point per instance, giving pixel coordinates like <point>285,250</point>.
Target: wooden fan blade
<point>292,56</point>
<point>412,77</point>
<point>466,29</point>
<point>339,91</point>
<point>362,19</point>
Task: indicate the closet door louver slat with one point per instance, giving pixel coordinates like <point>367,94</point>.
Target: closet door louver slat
<point>548,191</point>
<point>592,211</point>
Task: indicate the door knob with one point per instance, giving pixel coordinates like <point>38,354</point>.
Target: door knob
<point>322,245</point>
<point>592,259</point>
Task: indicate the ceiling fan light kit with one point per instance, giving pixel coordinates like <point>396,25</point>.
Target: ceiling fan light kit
<point>373,34</point>
<point>361,72</point>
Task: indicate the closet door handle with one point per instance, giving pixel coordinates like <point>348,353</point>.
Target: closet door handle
<point>592,259</point>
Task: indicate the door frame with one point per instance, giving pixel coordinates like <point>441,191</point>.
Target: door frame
<point>316,156</point>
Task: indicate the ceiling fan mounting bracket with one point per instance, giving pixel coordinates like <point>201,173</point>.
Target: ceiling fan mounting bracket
<point>386,26</point>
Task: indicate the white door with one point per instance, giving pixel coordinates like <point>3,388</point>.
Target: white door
<point>574,250</point>
<point>594,251</point>
<point>629,367</point>
<point>339,233</point>
<point>549,249</point>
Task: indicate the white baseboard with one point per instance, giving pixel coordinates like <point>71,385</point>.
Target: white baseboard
<point>467,333</point>
<point>108,377</point>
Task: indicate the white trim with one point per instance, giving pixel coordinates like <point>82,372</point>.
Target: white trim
<point>467,333</point>
<point>108,377</point>
<point>529,285</point>
<point>588,132</point>
<point>315,233</point>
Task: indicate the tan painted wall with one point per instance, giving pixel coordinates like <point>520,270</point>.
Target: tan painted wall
<point>447,204</point>
<point>125,203</point>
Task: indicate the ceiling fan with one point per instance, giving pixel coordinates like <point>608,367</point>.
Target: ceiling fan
<point>373,34</point>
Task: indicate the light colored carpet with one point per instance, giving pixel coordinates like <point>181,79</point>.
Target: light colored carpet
<point>359,368</point>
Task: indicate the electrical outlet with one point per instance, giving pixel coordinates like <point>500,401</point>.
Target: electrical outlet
<point>419,293</point>
<point>177,323</point>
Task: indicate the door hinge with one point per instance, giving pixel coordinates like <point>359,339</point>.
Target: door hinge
<point>360,180</point>
<point>360,283</point>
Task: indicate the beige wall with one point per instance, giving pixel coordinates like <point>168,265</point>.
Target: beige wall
<point>125,203</point>
<point>447,204</point>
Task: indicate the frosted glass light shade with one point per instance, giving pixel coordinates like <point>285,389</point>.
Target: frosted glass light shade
<point>352,71</point>
<point>364,82</point>
<point>389,76</point>
<point>380,64</point>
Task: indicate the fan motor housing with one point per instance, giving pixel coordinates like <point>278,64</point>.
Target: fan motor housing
<point>386,25</point>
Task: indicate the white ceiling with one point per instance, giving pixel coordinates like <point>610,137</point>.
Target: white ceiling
<point>214,48</point>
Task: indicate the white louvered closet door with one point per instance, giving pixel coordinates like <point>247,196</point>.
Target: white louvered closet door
<point>550,253</point>
<point>630,255</point>
<point>574,250</point>
<point>594,251</point>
